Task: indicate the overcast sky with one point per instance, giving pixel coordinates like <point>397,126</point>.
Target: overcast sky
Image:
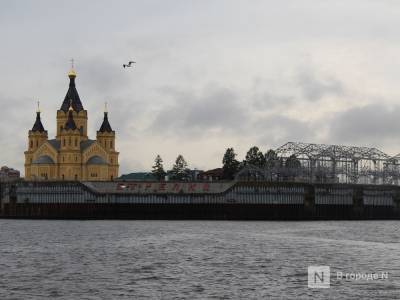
<point>209,74</point>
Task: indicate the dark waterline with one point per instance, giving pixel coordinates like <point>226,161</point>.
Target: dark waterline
<point>194,259</point>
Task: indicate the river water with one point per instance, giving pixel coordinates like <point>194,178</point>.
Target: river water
<point>196,259</point>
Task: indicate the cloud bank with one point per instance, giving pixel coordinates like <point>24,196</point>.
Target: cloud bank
<point>209,75</point>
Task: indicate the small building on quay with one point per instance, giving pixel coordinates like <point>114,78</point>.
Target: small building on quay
<point>8,174</point>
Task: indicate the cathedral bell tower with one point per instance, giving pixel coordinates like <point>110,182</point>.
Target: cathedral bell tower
<point>106,138</point>
<point>36,137</point>
<point>79,114</point>
<point>70,154</point>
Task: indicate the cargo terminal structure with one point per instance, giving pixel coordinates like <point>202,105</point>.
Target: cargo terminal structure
<point>236,200</point>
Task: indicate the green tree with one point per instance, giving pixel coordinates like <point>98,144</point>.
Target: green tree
<point>158,169</point>
<point>255,157</point>
<point>271,159</point>
<point>180,170</point>
<point>292,162</point>
<point>229,164</point>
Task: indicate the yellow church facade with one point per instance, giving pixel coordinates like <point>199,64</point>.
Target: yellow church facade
<point>71,155</point>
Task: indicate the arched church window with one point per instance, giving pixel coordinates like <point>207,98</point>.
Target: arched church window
<point>31,144</point>
<point>64,142</point>
<point>76,142</point>
<point>111,144</point>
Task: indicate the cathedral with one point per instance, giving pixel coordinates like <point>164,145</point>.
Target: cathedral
<point>71,155</point>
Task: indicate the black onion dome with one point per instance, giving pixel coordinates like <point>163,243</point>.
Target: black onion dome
<point>105,126</point>
<point>70,122</point>
<point>38,126</point>
<point>72,94</point>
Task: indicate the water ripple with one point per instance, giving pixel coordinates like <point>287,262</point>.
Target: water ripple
<point>193,259</point>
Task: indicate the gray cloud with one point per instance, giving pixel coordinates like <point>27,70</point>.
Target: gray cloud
<point>373,124</point>
<point>186,46</point>
<point>276,130</point>
<point>307,85</point>
<point>267,100</point>
<point>214,109</point>
<point>12,125</point>
<point>223,110</point>
<point>102,75</point>
<point>315,87</point>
